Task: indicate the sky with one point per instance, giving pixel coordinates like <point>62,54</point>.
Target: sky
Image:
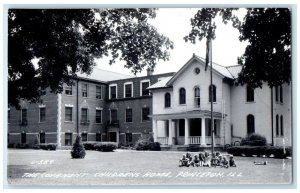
<point>174,23</point>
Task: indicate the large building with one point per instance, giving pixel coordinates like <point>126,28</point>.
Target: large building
<point>173,107</point>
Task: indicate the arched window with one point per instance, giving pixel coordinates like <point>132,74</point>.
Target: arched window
<point>214,93</point>
<point>181,96</point>
<point>250,94</point>
<point>197,96</point>
<point>277,125</point>
<point>167,100</point>
<point>281,125</point>
<point>250,124</point>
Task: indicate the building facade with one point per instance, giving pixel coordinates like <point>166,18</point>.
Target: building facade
<point>182,108</point>
<point>174,108</point>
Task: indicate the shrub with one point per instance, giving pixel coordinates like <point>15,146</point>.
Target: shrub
<point>89,145</point>
<point>106,146</point>
<point>147,143</point>
<point>78,150</point>
<point>36,143</point>
<point>259,151</point>
<point>254,140</point>
<point>48,146</point>
<point>22,146</point>
<point>10,145</point>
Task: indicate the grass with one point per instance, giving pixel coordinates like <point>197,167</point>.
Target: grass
<point>126,167</point>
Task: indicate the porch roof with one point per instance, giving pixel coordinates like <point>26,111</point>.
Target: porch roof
<point>187,114</point>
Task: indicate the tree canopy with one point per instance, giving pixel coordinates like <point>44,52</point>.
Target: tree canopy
<point>66,41</point>
<point>268,30</point>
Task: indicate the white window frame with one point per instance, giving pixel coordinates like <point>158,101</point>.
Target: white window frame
<point>128,83</point>
<point>72,106</point>
<point>101,91</point>
<point>42,106</point>
<point>109,90</point>
<point>87,90</point>
<point>141,88</point>
<point>100,109</point>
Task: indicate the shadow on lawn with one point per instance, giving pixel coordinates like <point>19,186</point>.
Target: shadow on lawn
<point>17,171</point>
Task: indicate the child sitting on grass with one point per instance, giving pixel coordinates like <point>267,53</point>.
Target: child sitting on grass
<point>196,160</point>
<point>201,158</point>
<point>206,162</point>
<point>224,162</point>
<point>190,159</point>
<point>231,162</point>
<point>214,160</point>
<point>183,161</point>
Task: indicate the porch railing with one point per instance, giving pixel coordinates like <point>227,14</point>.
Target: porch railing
<point>195,140</point>
<point>163,140</point>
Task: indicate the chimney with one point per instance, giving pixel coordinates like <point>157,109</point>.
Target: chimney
<point>149,72</point>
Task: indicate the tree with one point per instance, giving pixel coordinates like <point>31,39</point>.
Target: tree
<point>78,150</point>
<point>268,30</point>
<point>66,41</point>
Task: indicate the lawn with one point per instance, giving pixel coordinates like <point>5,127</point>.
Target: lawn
<point>129,167</point>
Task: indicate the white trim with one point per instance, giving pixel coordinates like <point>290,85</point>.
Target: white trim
<point>69,105</point>
<point>109,90</point>
<point>128,83</point>
<point>59,109</point>
<point>87,89</point>
<point>99,108</point>
<point>42,105</point>
<point>141,82</point>
<point>101,91</point>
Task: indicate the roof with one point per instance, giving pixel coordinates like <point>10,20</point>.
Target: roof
<point>225,71</point>
<point>160,84</point>
<point>104,75</point>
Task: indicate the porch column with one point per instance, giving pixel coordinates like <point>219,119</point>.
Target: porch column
<point>154,123</point>
<point>170,141</point>
<point>186,131</point>
<point>203,143</point>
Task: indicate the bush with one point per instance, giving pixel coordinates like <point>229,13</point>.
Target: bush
<point>78,150</point>
<point>22,146</point>
<point>48,146</point>
<point>89,145</point>
<point>249,151</point>
<point>147,144</point>
<point>11,145</point>
<point>254,140</point>
<point>105,146</point>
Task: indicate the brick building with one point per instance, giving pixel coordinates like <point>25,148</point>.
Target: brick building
<point>173,107</point>
<point>103,106</point>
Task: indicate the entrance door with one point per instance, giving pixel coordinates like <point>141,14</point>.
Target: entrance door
<point>113,136</point>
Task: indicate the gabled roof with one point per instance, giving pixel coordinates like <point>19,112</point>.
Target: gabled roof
<point>219,69</point>
<point>104,75</point>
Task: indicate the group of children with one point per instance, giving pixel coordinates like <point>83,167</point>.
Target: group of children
<point>204,160</point>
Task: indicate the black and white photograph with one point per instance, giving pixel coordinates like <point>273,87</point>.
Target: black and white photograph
<point>103,96</point>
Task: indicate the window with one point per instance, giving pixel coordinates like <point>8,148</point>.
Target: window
<point>167,100</point>
<point>23,137</point>
<point>128,91</point>
<point>280,94</point>
<point>42,114</point>
<point>214,93</point>
<point>98,92</point>
<point>144,85</point>
<point>113,91</point>
<point>277,125</point>
<point>68,90</point>
<point>145,113</point>
<point>98,136</point>
<point>250,124</point>
<point>23,116</point>
<point>84,90</point>
<point>84,136</point>
<point>181,96</point>
<point>281,125</point>
<point>113,116</point>
<point>68,113</point>
<point>128,137</point>
<point>276,93</point>
<point>128,115</point>
<point>68,139</point>
<point>197,96</point>
<point>98,116</point>
<point>8,116</point>
<point>84,115</point>
<point>250,94</point>
<point>42,137</point>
